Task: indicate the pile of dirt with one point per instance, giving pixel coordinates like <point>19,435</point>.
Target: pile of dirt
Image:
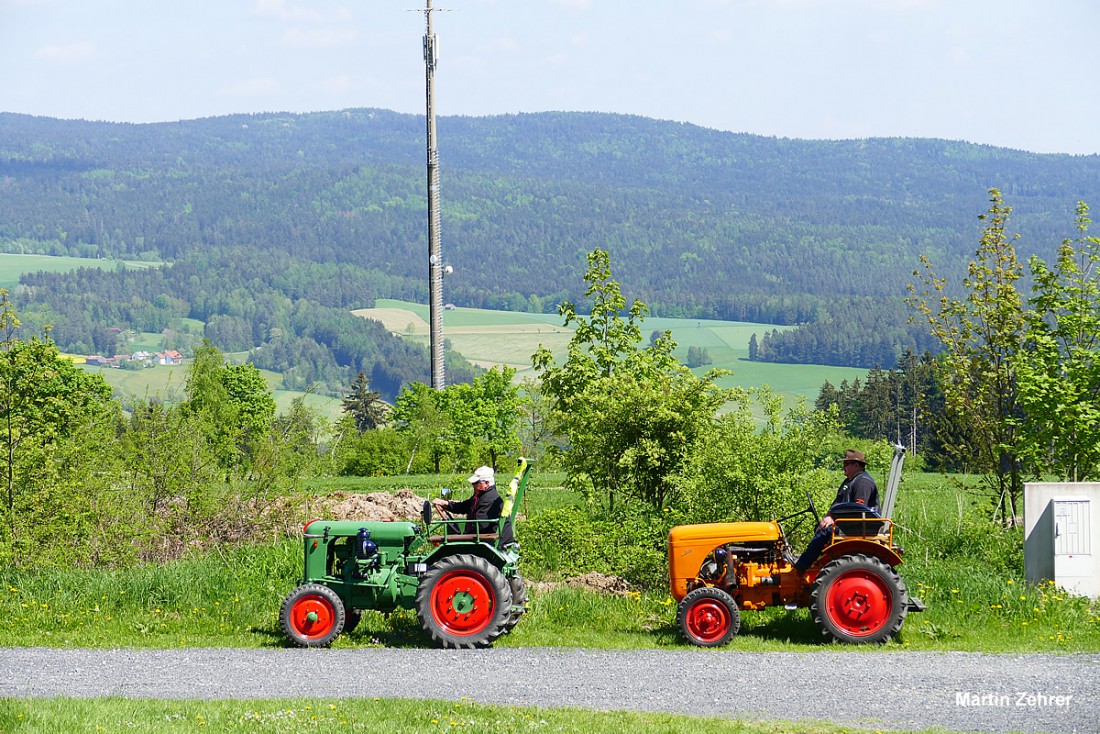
<point>404,505</point>
<point>591,581</point>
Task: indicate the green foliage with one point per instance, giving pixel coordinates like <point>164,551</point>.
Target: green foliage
<point>379,453</point>
<point>418,411</point>
<point>631,416</point>
<point>364,405</point>
<point>57,427</point>
<point>629,542</point>
<point>982,335</point>
<point>740,472</point>
<point>1059,368</point>
<point>697,357</point>
<point>462,425</point>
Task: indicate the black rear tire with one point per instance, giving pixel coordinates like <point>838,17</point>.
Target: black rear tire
<point>708,617</point>
<point>519,600</point>
<point>859,599</point>
<point>464,602</point>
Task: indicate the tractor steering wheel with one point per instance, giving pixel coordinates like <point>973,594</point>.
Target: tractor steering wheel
<point>813,509</point>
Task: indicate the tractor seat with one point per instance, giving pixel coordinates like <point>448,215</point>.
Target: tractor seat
<point>464,537</point>
<point>852,518</point>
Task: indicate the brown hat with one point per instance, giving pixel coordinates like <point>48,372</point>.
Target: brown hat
<point>853,455</point>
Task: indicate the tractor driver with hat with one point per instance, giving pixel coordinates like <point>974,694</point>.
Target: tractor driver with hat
<point>858,488</point>
<point>485,504</point>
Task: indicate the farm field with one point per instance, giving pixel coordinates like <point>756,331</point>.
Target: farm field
<point>168,382</point>
<point>488,338</point>
<point>12,266</point>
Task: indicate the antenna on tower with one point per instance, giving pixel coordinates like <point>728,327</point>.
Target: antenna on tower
<point>435,255</point>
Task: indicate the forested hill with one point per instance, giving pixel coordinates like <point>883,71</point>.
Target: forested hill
<point>698,222</point>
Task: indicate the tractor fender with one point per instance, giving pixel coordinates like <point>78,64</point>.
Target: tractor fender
<point>483,550</point>
<point>852,546</point>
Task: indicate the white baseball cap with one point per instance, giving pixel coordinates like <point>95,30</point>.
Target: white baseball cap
<point>482,474</point>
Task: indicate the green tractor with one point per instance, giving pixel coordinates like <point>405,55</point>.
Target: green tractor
<point>465,587</point>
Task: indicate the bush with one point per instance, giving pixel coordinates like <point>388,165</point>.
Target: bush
<point>383,452</point>
<point>569,541</point>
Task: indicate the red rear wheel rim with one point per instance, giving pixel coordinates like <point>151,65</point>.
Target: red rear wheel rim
<point>463,603</point>
<point>708,620</point>
<point>312,616</point>
<point>859,602</point>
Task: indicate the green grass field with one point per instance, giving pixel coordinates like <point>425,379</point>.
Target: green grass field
<point>967,572</point>
<point>168,382</point>
<point>12,266</point>
<point>394,716</point>
<point>482,336</point>
<point>489,338</point>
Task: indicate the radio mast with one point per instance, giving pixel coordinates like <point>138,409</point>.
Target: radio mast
<point>435,256</point>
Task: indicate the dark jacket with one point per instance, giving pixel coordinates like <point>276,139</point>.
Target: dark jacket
<point>861,488</point>
<point>486,506</point>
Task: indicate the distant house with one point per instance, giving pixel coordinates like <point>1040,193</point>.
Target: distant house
<point>96,361</point>
<point>169,356</point>
<point>448,307</point>
<point>141,356</point>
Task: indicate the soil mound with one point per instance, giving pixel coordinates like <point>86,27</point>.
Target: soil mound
<point>404,505</point>
<point>591,581</point>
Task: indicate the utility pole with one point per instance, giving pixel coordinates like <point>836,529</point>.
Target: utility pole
<point>435,255</point>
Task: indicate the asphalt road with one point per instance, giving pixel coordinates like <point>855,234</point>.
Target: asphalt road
<point>877,690</point>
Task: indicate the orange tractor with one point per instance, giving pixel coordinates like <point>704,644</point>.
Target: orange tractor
<point>853,590</point>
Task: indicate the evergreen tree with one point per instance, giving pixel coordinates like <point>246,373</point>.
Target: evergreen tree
<point>364,405</point>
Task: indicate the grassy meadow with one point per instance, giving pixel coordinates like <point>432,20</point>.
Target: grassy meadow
<point>484,337</point>
<point>967,572</point>
<point>395,716</point>
<point>488,338</point>
<point>12,266</point>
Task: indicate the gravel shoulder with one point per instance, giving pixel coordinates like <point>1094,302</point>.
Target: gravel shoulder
<point>897,691</point>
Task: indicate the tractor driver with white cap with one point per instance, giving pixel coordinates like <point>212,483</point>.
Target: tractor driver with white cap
<point>485,504</point>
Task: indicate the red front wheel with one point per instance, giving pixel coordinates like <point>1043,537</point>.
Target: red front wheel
<point>312,616</point>
<point>708,617</point>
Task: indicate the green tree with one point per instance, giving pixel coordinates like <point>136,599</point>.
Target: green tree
<point>742,471</point>
<point>419,413</point>
<point>57,425</point>
<point>630,415</point>
<point>697,357</point>
<point>536,429</point>
<point>499,412</point>
<point>1059,369</point>
<point>234,404</point>
<point>364,405</point>
<point>982,335</point>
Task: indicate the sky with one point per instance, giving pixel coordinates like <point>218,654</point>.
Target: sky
<point>1018,74</point>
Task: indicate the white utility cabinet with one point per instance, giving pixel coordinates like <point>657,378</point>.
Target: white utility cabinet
<point>1060,535</point>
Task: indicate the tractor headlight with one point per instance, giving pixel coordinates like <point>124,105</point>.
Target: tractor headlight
<point>364,546</point>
